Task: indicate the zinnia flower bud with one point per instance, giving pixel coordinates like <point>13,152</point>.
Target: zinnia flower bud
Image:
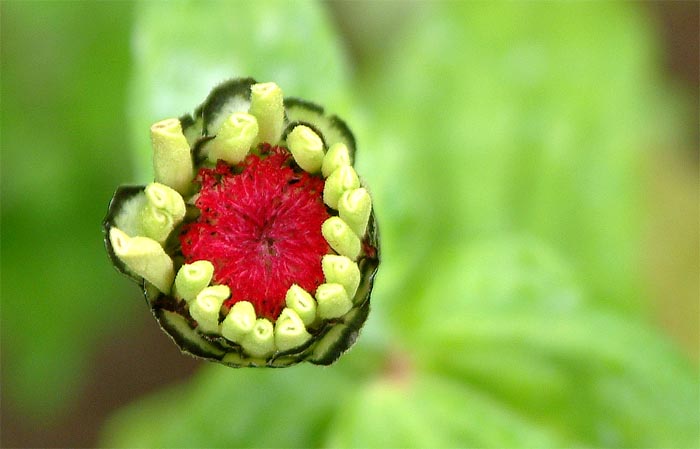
<point>257,244</point>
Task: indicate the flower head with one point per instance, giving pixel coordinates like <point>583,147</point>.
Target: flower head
<point>256,244</point>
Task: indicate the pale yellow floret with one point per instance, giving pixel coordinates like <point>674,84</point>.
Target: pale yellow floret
<point>333,301</point>
<point>206,307</point>
<point>341,238</point>
<point>267,105</point>
<point>336,157</point>
<point>163,209</point>
<point>302,303</point>
<point>172,161</point>
<point>156,224</point>
<point>354,208</point>
<point>342,179</point>
<point>260,342</point>
<point>239,322</point>
<point>145,257</point>
<point>234,139</point>
<point>193,278</point>
<point>341,270</point>
<point>290,331</point>
<point>306,148</point>
<point>168,200</point>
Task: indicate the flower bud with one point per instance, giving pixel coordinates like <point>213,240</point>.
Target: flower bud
<point>290,331</point>
<point>172,161</point>
<point>343,271</point>
<point>302,303</point>
<point>234,139</point>
<point>267,105</point>
<point>336,157</point>
<point>156,224</point>
<point>342,179</point>
<point>206,307</point>
<point>333,301</point>
<point>306,147</point>
<point>341,238</point>
<point>274,241</point>
<point>260,342</point>
<point>239,322</point>
<point>354,208</point>
<point>164,198</point>
<point>145,257</point>
<point>193,278</point>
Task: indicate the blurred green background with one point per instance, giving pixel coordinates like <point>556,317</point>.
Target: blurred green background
<point>535,174</point>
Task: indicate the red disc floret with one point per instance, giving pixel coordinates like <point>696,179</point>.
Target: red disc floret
<point>260,226</point>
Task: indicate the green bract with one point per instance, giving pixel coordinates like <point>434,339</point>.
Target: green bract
<point>243,121</point>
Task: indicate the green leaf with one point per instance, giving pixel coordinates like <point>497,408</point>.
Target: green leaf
<point>429,411</point>
<point>185,48</point>
<point>509,117</point>
<point>221,407</point>
<point>517,330</point>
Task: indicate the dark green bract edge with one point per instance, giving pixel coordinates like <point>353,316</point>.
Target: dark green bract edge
<point>332,127</point>
<point>121,196</point>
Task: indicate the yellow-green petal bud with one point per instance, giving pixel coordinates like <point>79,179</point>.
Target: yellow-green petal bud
<point>193,278</point>
<point>290,331</point>
<point>336,157</point>
<point>342,179</point>
<point>341,238</point>
<point>260,342</point>
<point>333,301</point>
<point>234,139</point>
<point>302,303</point>
<point>239,322</point>
<point>354,208</point>
<point>163,209</point>
<point>166,199</point>
<point>267,105</point>
<point>145,257</point>
<point>206,307</point>
<point>172,161</point>
<point>306,147</point>
<point>156,224</point>
<point>343,271</point>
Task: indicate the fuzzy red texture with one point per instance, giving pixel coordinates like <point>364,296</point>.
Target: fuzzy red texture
<point>261,229</point>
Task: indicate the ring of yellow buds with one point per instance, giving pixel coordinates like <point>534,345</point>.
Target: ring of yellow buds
<point>166,235</point>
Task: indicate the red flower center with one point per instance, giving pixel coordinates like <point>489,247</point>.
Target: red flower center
<point>260,228</point>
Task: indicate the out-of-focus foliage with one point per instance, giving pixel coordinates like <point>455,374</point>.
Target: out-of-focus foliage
<point>295,403</point>
<point>62,139</point>
<point>530,117</point>
<point>503,144</point>
<point>188,47</point>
